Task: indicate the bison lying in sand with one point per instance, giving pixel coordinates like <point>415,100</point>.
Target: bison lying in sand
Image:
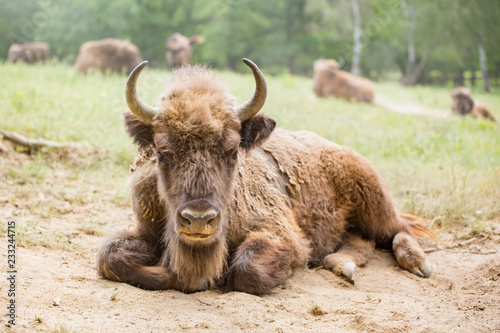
<point>108,54</point>
<point>329,80</point>
<point>178,49</point>
<point>28,52</point>
<point>463,104</point>
<point>225,201</point>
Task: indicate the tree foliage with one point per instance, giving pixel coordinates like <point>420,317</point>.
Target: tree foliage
<point>283,35</point>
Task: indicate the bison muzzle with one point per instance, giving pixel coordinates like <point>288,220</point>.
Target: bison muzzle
<point>224,200</point>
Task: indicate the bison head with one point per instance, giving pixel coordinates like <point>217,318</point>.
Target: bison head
<point>197,132</point>
<point>16,52</point>
<point>178,48</point>
<point>463,103</point>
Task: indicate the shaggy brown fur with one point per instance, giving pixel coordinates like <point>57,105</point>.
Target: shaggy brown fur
<point>276,204</point>
<point>329,80</point>
<point>463,104</point>
<point>178,49</point>
<point>108,54</point>
<point>29,52</point>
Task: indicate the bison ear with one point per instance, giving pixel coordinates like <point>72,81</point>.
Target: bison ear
<point>255,131</point>
<point>139,131</point>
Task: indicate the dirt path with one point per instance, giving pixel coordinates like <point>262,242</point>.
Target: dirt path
<point>58,288</point>
<point>409,108</point>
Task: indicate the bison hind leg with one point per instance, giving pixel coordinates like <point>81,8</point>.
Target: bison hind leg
<point>127,257</point>
<point>354,251</point>
<point>410,255</point>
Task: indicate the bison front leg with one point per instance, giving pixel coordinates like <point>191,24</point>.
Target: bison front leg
<point>262,262</point>
<point>128,258</point>
<point>355,251</point>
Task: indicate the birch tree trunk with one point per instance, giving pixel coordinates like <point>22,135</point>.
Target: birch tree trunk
<point>411,23</point>
<point>483,62</point>
<point>357,46</point>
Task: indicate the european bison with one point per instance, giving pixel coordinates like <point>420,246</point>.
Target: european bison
<point>29,52</point>
<point>330,80</point>
<point>178,49</point>
<point>463,104</point>
<point>108,54</point>
<point>223,201</point>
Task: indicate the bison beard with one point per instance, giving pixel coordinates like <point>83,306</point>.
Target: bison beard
<point>223,200</point>
<point>204,263</point>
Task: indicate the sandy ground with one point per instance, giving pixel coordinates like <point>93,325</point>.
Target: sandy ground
<point>58,288</point>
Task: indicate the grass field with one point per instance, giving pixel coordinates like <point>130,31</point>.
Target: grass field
<point>446,169</point>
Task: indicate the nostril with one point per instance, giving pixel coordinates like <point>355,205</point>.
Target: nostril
<point>211,221</point>
<point>185,222</point>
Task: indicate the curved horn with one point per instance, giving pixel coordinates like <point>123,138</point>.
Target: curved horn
<point>250,108</point>
<point>143,111</point>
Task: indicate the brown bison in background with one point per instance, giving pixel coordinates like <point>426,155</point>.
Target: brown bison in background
<point>108,54</point>
<point>28,52</point>
<point>463,104</point>
<point>178,49</point>
<point>225,201</point>
<point>330,80</point>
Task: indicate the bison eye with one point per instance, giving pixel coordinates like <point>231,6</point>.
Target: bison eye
<point>161,157</point>
<point>231,156</point>
<point>234,156</point>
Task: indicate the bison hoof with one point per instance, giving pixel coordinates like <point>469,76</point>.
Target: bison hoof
<point>348,271</point>
<point>410,256</point>
<point>341,265</point>
<point>424,270</point>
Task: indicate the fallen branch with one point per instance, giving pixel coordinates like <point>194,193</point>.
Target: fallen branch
<point>467,241</point>
<point>35,144</point>
<point>439,248</point>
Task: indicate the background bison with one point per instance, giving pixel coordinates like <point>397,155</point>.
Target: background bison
<point>330,80</point>
<point>179,49</point>
<point>463,104</point>
<point>224,201</point>
<point>108,54</point>
<point>28,52</point>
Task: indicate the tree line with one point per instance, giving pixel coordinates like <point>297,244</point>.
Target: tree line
<point>422,42</point>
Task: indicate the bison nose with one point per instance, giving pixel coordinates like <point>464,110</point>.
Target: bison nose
<point>198,218</point>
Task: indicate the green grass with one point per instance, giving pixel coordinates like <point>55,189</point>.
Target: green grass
<point>446,167</point>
